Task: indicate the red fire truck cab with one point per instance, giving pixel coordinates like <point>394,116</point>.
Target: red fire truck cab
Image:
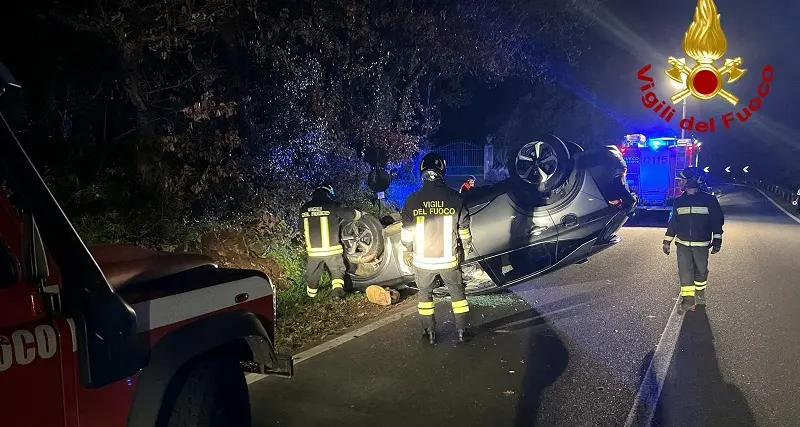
<point>118,335</point>
<point>654,164</point>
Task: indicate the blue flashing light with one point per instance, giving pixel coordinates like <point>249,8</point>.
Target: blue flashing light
<point>656,143</point>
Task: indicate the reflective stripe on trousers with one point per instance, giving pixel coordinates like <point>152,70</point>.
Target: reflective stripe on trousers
<point>460,307</point>
<point>425,308</point>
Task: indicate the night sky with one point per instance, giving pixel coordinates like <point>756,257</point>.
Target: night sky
<point>630,34</point>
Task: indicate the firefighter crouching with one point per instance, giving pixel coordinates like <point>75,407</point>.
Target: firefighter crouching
<point>434,221</point>
<point>320,219</point>
<point>695,224</point>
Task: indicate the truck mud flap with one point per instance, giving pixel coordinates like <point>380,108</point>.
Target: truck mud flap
<point>283,366</point>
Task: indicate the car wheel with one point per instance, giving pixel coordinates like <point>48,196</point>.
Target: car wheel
<point>362,239</point>
<point>211,393</point>
<point>544,164</point>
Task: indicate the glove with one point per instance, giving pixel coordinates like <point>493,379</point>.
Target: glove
<point>466,244</point>
<point>666,246</point>
<point>408,258</point>
<point>716,245</point>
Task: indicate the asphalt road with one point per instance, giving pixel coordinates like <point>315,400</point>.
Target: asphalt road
<point>572,348</point>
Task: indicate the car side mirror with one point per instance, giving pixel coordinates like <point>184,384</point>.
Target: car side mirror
<point>35,268</point>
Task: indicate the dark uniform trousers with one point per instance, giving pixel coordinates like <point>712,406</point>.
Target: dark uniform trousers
<point>425,280</point>
<point>315,268</point>
<point>692,268</point>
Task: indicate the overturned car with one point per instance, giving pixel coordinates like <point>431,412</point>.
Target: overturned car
<point>559,206</point>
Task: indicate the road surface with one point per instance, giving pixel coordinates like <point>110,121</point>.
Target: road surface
<point>573,348</point>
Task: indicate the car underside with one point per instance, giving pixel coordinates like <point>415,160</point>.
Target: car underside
<point>559,206</point>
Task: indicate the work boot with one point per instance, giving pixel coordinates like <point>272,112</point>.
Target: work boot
<point>337,293</point>
<point>700,298</point>
<point>430,334</point>
<point>687,303</point>
<point>464,335</point>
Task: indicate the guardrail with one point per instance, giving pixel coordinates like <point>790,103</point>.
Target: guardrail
<point>776,190</point>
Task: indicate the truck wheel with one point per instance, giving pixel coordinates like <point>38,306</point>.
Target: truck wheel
<point>213,393</point>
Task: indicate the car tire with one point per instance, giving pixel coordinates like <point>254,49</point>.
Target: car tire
<point>543,163</point>
<point>211,392</point>
<point>362,239</point>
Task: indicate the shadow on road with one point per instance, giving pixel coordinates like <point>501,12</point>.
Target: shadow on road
<point>393,378</point>
<point>546,357</point>
<point>695,393</point>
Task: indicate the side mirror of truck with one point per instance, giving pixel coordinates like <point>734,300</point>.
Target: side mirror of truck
<point>35,267</point>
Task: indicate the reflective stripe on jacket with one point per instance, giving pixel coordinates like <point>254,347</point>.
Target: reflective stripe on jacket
<point>320,220</point>
<point>695,220</point>
<point>434,221</point>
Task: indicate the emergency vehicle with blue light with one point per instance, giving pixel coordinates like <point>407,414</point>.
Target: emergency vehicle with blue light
<point>654,164</point>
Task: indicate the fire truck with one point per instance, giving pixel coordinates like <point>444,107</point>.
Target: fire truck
<point>654,164</point>
<point>113,335</point>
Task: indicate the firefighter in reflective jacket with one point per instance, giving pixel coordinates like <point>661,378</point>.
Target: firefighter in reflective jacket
<point>695,224</point>
<point>435,221</point>
<point>319,220</point>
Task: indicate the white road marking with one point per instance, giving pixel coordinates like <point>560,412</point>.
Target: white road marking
<point>336,342</point>
<point>644,406</point>
<point>789,214</point>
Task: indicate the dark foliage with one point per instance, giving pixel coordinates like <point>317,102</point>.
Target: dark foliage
<point>152,120</point>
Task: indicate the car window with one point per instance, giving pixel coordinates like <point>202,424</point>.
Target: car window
<point>8,268</point>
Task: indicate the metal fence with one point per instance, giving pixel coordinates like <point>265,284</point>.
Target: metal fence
<point>463,159</point>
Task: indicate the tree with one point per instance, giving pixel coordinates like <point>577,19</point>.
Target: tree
<point>220,108</point>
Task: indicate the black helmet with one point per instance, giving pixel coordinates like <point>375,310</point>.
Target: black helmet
<point>432,167</point>
<point>694,179</point>
<point>326,189</point>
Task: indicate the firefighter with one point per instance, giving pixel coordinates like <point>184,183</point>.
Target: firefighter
<point>695,224</point>
<point>467,185</point>
<point>435,222</point>
<point>319,220</point>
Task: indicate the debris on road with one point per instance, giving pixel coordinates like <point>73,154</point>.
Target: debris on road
<point>493,301</point>
<point>508,392</point>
